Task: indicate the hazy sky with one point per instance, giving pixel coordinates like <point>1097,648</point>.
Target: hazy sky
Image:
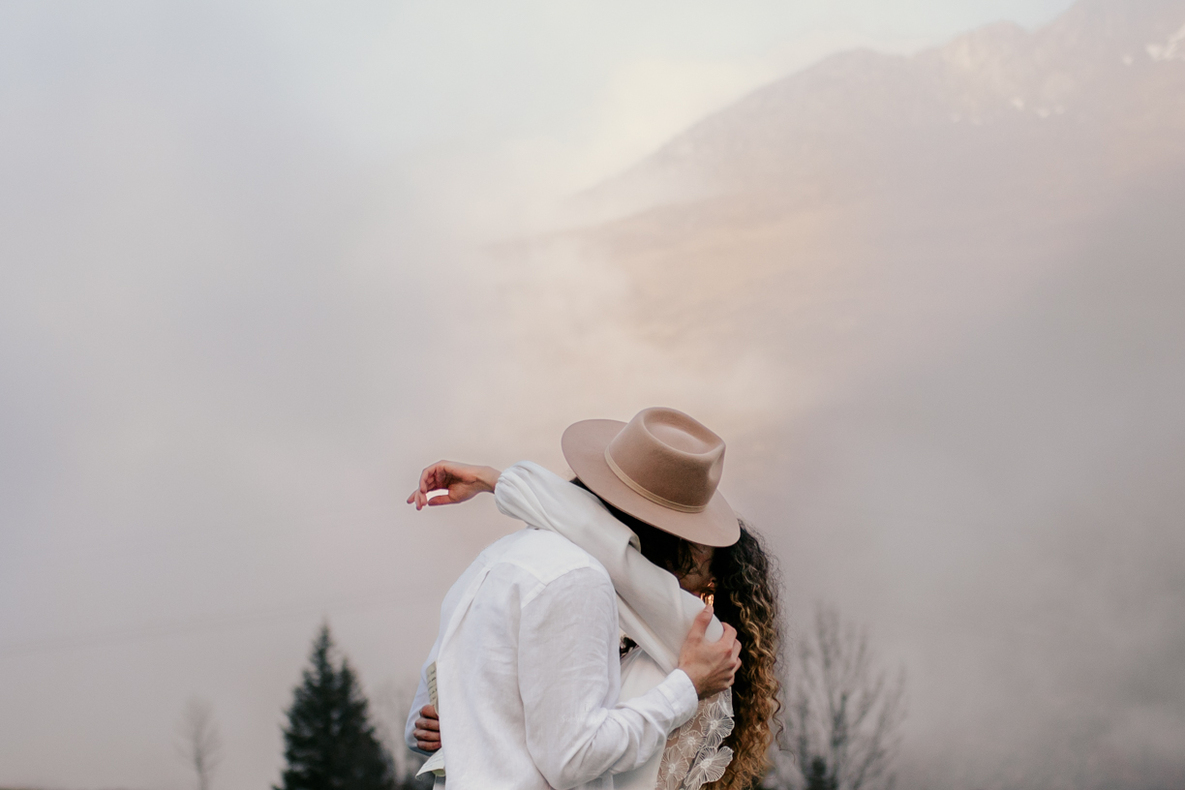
<point>240,308</point>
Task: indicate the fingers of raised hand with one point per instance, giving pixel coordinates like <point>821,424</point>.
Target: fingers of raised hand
<point>419,498</point>
<point>414,498</point>
<point>433,478</point>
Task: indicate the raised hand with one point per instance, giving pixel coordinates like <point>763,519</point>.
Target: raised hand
<point>461,481</point>
<point>712,666</point>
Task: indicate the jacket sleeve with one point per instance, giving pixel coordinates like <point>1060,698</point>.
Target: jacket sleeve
<point>655,612</point>
<point>568,683</point>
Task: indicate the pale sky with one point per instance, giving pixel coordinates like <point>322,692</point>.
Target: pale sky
<point>237,312</point>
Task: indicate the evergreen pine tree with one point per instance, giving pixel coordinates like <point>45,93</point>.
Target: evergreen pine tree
<point>329,743</point>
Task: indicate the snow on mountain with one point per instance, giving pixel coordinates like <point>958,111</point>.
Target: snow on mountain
<point>828,126</point>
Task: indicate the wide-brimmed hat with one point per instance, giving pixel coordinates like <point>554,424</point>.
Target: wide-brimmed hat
<point>661,467</point>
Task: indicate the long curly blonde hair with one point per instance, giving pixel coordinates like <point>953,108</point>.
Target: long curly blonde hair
<point>746,598</point>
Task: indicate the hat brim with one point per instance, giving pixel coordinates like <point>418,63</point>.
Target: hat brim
<point>584,444</point>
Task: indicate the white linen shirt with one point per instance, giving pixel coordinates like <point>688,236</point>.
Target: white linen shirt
<point>653,609</point>
<point>528,674</point>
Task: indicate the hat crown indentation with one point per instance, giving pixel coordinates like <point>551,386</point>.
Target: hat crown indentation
<point>669,455</point>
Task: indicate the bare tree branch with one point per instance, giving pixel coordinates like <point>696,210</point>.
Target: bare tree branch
<point>842,715</point>
<point>200,744</point>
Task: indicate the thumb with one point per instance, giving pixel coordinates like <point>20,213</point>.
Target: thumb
<point>699,626</point>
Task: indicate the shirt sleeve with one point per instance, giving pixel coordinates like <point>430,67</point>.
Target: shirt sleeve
<point>567,660</point>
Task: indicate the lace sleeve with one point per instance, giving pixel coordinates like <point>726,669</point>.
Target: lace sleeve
<point>695,753</point>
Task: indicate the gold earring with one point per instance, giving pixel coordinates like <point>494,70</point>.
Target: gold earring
<point>708,596</point>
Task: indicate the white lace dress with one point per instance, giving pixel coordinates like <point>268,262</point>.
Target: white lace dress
<point>655,613</point>
<point>695,753</point>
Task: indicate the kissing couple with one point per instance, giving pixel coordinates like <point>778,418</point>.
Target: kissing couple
<point>625,639</point>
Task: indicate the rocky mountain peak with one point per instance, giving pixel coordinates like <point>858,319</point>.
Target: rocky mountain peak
<point>1117,65</point>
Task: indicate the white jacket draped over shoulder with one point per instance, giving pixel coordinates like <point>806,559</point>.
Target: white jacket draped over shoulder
<point>654,611</point>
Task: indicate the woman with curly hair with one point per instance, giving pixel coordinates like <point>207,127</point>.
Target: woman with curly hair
<point>738,580</point>
<point>663,577</point>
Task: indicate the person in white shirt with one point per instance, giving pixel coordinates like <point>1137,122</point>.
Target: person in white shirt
<point>662,582</point>
<point>526,660</point>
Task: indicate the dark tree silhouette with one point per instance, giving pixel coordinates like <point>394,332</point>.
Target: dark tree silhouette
<point>329,743</point>
<point>818,777</point>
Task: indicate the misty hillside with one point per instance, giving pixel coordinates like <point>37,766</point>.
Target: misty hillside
<point>1000,130</point>
<point>1106,77</point>
<point>961,278</point>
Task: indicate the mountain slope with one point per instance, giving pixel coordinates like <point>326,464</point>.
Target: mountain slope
<point>981,156</point>
<point>1107,73</point>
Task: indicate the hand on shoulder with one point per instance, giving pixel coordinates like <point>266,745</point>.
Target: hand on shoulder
<point>712,666</point>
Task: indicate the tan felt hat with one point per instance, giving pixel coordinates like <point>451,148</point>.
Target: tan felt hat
<point>661,467</point>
